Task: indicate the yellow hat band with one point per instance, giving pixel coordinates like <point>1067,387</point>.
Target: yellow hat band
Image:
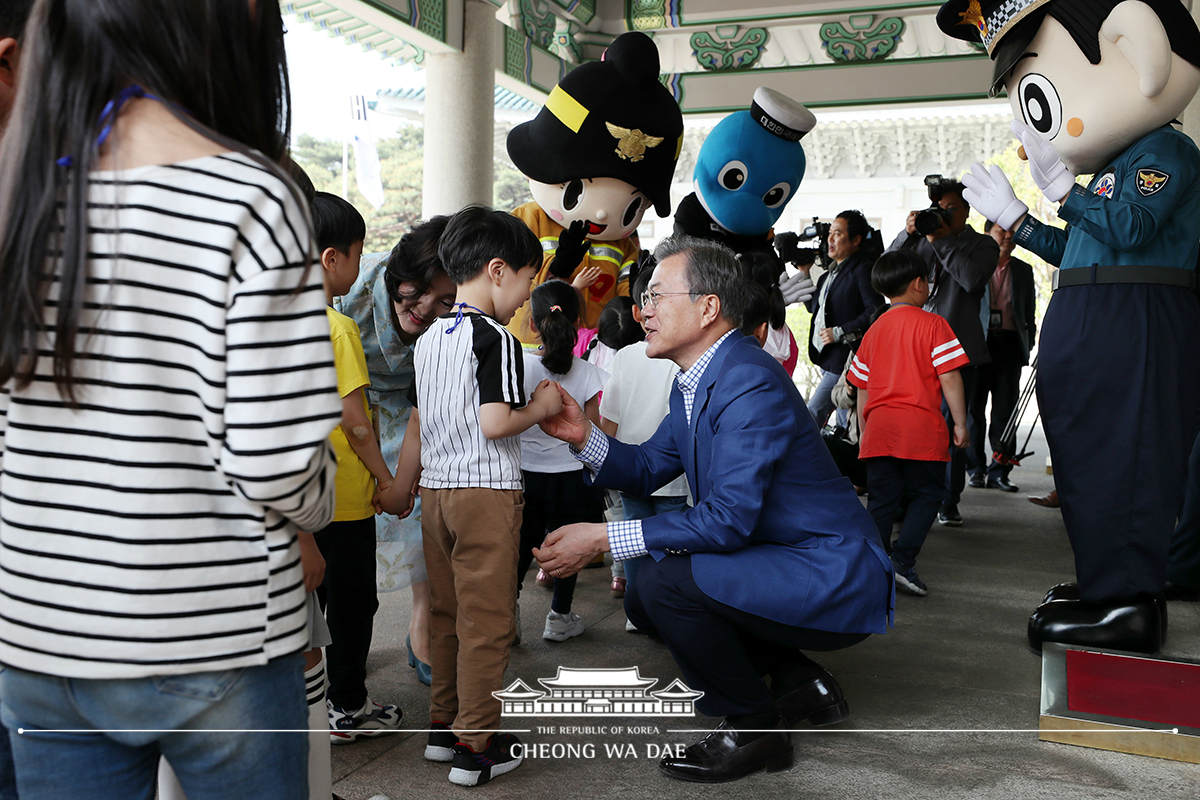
<point>567,109</point>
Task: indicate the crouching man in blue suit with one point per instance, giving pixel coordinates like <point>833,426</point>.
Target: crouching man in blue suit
<point>777,556</point>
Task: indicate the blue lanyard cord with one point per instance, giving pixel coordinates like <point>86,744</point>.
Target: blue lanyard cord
<point>458,318</point>
<point>108,117</point>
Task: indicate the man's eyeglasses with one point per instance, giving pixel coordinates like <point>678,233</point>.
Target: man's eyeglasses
<point>650,299</point>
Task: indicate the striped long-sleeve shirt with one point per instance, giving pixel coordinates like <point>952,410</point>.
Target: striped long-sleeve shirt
<point>152,529</point>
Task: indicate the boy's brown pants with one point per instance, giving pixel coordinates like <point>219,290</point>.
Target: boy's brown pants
<point>471,539</point>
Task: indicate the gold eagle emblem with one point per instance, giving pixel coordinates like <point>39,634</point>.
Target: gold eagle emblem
<point>632,144</point>
<point>973,16</point>
<point>1150,180</point>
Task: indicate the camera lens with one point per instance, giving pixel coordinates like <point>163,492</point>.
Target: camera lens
<point>927,222</point>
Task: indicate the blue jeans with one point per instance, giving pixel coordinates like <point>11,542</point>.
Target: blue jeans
<point>8,777</point>
<point>109,753</point>
<point>641,508</point>
<point>820,405</point>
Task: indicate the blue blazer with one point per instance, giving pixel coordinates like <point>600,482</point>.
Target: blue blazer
<point>776,530</point>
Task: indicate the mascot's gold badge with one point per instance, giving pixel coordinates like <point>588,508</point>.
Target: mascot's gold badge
<point>1151,181</point>
<point>974,16</point>
<point>632,144</point>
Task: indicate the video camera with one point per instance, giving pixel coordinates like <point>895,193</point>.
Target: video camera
<point>930,219</point>
<point>818,231</point>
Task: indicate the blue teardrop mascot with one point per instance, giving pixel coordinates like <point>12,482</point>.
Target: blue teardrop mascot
<point>749,167</point>
<point>1094,85</point>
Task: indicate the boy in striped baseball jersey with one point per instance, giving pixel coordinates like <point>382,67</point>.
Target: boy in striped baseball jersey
<point>462,444</point>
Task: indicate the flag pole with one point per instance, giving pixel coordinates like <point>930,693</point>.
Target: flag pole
<point>346,156</point>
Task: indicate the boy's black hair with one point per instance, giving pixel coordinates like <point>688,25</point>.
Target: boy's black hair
<point>616,327</point>
<point>477,234</point>
<point>13,15</point>
<point>758,308</point>
<point>894,271</point>
<point>336,223</point>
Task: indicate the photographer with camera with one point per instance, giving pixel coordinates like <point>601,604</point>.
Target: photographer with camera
<point>842,306</point>
<point>961,262</point>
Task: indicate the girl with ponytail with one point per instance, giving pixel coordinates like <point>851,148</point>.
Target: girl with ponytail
<point>556,493</point>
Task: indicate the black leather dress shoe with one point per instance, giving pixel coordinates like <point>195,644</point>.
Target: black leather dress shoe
<point>1002,484</point>
<point>1069,592</point>
<point>718,758</point>
<point>1174,591</point>
<point>976,482</point>
<point>815,698</point>
<point>1134,625</point>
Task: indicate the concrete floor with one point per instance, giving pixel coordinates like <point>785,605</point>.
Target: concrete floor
<point>942,706</point>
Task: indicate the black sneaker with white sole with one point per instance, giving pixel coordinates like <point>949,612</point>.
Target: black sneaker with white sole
<point>441,742</point>
<point>475,769</point>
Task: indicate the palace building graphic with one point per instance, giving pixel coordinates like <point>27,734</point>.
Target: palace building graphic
<point>598,693</point>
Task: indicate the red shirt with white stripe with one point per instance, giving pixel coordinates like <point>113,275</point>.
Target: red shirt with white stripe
<point>898,363</point>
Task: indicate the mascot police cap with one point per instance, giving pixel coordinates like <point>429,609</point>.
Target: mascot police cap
<point>1007,27</point>
<point>607,119</point>
<point>990,22</point>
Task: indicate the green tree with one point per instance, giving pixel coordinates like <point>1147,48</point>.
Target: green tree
<point>509,188</point>
<point>401,160</point>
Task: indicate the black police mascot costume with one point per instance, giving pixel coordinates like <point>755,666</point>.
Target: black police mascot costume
<point>600,152</point>
<point>1094,85</point>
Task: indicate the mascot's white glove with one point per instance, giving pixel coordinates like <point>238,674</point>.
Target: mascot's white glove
<point>1045,167</point>
<point>797,289</point>
<point>992,195</point>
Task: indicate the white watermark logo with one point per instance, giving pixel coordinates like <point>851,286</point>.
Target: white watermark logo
<point>621,692</point>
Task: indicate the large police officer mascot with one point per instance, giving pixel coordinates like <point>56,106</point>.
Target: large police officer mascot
<point>600,152</point>
<point>1094,85</point>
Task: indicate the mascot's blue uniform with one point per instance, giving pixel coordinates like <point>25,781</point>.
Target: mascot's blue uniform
<point>1115,353</point>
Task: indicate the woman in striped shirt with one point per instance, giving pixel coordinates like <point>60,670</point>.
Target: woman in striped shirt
<point>168,388</point>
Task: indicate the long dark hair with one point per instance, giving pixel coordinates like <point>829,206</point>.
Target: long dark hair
<point>414,263</point>
<point>554,310</point>
<point>221,72</point>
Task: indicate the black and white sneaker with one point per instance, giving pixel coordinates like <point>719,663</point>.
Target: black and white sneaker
<point>475,769</point>
<point>441,742</point>
<point>373,719</point>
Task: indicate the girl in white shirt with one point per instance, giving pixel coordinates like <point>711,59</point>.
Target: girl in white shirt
<point>556,493</point>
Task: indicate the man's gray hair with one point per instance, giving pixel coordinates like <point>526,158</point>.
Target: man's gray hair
<point>712,268</point>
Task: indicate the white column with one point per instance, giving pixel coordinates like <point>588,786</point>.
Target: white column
<point>459,116</point>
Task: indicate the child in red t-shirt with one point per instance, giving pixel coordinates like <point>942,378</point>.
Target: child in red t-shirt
<point>907,360</point>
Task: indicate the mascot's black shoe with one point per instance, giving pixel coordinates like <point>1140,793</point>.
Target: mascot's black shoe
<point>1135,625</point>
<point>809,694</point>
<point>1060,592</point>
<point>1069,592</point>
<point>718,757</point>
